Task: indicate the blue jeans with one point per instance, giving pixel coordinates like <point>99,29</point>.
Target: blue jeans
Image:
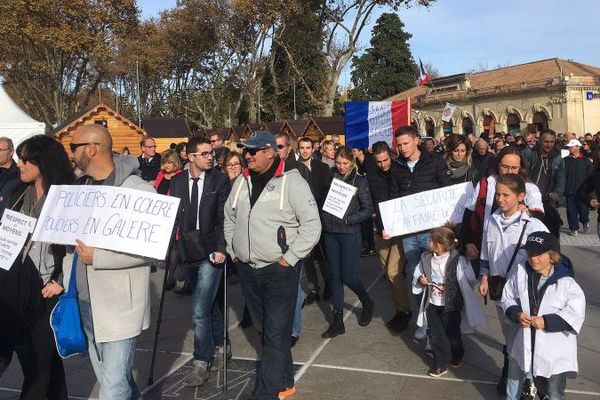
<point>553,388</point>
<point>514,381</point>
<point>577,211</point>
<point>206,314</point>
<point>270,294</point>
<point>297,327</point>
<point>112,361</point>
<point>343,250</point>
<point>414,245</point>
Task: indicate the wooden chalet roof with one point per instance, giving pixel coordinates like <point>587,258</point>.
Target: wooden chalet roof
<point>76,119</point>
<point>297,127</point>
<point>166,127</point>
<point>273,127</point>
<point>330,125</point>
<point>529,75</point>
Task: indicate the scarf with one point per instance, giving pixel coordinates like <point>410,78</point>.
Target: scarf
<point>458,169</point>
<point>505,221</point>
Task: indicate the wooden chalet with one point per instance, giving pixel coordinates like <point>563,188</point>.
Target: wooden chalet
<point>323,128</point>
<point>166,131</point>
<point>124,133</point>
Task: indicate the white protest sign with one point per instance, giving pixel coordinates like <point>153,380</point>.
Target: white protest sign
<point>448,112</point>
<point>564,153</point>
<point>339,197</point>
<point>426,210</point>
<point>13,234</point>
<point>112,218</point>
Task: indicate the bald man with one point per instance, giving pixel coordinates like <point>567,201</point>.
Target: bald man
<point>113,287</point>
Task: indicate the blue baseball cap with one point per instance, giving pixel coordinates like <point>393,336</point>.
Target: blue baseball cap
<point>259,140</point>
<point>540,242</point>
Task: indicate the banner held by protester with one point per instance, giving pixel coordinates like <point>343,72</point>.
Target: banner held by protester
<point>111,218</point>
<point>425,210</point>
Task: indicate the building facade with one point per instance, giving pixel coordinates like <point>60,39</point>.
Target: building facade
<point>557,94</point>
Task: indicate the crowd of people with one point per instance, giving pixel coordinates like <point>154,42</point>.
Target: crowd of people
<point>257,207</point>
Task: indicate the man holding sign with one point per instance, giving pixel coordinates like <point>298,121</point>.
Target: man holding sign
<point>113,287</point>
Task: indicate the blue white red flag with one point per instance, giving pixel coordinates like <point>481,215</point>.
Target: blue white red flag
<point>424,77</point>
<point>367,122</point>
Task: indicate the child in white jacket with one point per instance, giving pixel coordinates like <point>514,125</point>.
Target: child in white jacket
<point>448,279</point>
<point>549,306</point>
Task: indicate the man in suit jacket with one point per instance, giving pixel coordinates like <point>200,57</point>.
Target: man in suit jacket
<point>203,191</point>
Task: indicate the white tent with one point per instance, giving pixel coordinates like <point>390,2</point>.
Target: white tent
<point>14,122</point>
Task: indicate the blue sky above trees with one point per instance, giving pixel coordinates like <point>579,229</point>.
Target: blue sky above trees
<point>460,35</point>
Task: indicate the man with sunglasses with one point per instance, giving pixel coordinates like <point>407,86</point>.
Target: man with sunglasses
<point>149,159</point>
<point>285,151</point>
<point>271,224</point>
<point>203,191</point>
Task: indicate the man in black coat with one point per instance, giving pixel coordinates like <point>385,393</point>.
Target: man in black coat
<point>9,173</point>
<point>149,159</point>
<point>482,158</point>
<point>577,169</point>
<point>203,191</point>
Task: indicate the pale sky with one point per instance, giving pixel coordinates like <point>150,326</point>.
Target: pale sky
<point>458,35</point>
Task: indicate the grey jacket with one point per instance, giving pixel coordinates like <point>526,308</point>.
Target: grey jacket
<point>284,221</point>
<point>119,284</point>
<point>557,178</point>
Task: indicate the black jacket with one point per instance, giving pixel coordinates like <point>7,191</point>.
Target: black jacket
<point>360,208</point>
<point>212,203</point>
<point>576,171</point>
<point>149,169</point>
<point>9,182</point>
<point>318,177</point>
<point>481,164</point>
<point>430,172</point>
<point>591,184</point>
<point>384,187</point>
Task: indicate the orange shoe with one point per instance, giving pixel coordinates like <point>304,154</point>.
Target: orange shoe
<point>287,393</point>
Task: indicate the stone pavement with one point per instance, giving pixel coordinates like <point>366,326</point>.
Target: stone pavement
<point>365,363</point>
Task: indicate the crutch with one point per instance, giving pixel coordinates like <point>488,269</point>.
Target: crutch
<point>160,311</point>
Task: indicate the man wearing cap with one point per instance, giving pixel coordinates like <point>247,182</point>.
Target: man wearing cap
<point>577,169</point>
<point>271,224</point>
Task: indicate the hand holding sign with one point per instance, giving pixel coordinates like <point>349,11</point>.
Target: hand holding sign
<point>85,253</point>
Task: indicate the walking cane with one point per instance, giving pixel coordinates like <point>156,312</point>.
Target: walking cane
<point>160,310</point>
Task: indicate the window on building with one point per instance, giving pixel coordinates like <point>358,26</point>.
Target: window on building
<point>467,126</point>
<point>101,122</point>
<point>513,123</point>
<point>429,128</point>
<point>447,127</point>
<point>489,125</point>
<point>540,121</point>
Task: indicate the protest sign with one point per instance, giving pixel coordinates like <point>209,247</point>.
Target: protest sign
<point>425,210</point>
<point>448,112</point>
<point>339,197</point>
<point>112,218</point>
<point>13,234</point>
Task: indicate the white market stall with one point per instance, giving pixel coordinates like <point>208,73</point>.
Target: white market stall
<point>14,122</point>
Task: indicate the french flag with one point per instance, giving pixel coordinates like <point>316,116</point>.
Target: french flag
<point>424,77</point>
<point>368,122</point>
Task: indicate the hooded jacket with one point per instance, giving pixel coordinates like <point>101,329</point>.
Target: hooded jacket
<point>561,303</point>
<point>119,284</point>
<point>557,168</point>
<point>284,221</point>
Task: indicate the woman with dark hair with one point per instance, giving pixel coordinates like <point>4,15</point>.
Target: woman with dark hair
<point>592,185</point>
<point>43,162</point>
<point>342,243</point>
<point>458,159</point>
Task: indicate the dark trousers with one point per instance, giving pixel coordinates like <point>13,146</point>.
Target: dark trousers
<point>444,334</point>
<point>368,236</point>
<point>270,294</point>
<point>577,211</point>
<point>44,376</point>
<point>343,250</point>
<point>311,270</point>
<point>552,388</point>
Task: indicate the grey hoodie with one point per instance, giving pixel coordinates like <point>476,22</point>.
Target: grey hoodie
<point>285,205</point>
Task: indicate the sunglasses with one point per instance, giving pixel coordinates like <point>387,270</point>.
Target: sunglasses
<point>74,146</point>
<point>280,146</point>
<point>252,152</point>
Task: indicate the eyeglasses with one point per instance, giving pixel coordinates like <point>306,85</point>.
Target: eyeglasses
<point>205,154</point>
<point>508,168</point>
<point>251,151</point>
<point>233,165</point>
<point>150,147</point>
<point>74,146</point>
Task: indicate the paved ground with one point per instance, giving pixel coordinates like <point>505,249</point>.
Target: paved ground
<point>365,363</point>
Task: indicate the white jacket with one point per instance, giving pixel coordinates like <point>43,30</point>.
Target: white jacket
<point>497,246</point>
<point>554,352</point>
<point>472,315</point>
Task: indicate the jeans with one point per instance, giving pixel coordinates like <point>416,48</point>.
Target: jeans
<point>206,314</point>
<point>444,335</point>
<point>577,211</point>
<point>271,297</point>
<point>552,388</point>
<point>297,327</point>
<point>112,361</point>
<point>343,250</point>
<point>414,245</point>
<point>514,383</point>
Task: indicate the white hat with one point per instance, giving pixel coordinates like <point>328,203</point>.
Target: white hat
<point>573,143</point>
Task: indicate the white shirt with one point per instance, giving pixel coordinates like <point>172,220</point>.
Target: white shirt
<point>200,189</point>
<point>438,272</point>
